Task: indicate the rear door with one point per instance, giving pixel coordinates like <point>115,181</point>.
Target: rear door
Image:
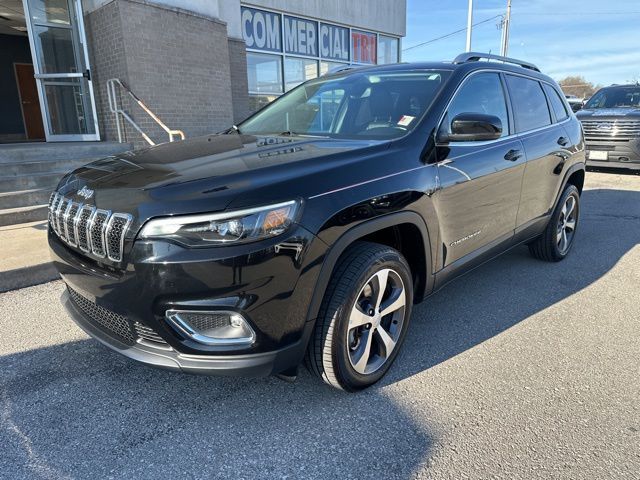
<point>480,182</point>
<point>546,144</point>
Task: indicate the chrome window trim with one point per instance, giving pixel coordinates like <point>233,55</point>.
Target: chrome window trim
<point>128,219</point>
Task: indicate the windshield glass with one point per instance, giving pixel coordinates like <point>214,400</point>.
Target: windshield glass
<point>615,97</point>
<point>380,105</point>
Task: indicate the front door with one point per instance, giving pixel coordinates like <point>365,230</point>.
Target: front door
<point>61,64</point>
<point>479,182</point>
<point>29,102</point>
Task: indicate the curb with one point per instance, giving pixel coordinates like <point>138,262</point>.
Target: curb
<point>28,276</point>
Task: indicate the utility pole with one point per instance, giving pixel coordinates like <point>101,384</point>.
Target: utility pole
<point>469,25</point>
<point>505,31</point>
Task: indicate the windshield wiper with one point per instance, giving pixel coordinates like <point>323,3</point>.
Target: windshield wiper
<point>232,129</point>
<point>288,133</point>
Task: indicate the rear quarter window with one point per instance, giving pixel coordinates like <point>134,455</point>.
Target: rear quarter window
<point>529,103</point>
<point>557,103</point>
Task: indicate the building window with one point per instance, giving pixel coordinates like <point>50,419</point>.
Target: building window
<point>298,70</point>
<point>387,49</point>
<point>363,47</point>
<point>328,66</point>
<point>264,73</point>
<point>256,102</point>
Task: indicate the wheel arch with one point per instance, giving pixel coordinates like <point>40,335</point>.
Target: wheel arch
<point>575,176</point>
<point>406,229</point>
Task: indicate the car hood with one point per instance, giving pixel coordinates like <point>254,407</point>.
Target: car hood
<point>615,113</point>
<point>214,172</point>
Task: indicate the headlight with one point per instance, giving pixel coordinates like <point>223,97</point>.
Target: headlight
<point>224,228</point>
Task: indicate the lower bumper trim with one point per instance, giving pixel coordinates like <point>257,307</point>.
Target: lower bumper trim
<point>253,365</point>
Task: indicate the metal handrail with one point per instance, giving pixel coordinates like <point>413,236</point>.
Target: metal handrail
<point>116,110</point>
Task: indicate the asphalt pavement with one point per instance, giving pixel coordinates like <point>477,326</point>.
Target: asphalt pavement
<point>520,370</point>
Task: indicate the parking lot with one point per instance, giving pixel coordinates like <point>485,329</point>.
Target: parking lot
<point>519,370</point>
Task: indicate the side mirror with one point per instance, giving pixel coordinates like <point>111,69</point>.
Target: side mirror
<point>473,127</point>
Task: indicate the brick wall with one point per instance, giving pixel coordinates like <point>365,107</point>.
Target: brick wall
<point>239,81</point>
<point>177,62</point>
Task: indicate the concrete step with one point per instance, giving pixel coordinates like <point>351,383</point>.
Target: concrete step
<point>24,198</point>
<point>41,166</point>
<point>32,213</point>
<point>25,258</point>
<point>28,182</point>
<point>24,152</point>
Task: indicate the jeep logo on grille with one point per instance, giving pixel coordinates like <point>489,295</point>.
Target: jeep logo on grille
<point>85,193</point>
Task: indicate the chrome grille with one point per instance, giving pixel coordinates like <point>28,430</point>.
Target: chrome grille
<point>611,129</point>
<point>94,231</point>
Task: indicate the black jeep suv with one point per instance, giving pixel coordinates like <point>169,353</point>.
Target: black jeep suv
<point>307,232</point>
<point>611,121</point>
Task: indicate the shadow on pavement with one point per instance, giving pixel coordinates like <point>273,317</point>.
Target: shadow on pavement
<point>78,410</point>
<point>515,286</point>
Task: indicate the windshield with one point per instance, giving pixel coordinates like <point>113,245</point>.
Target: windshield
<point>380,105</point>
<point>615,97</point>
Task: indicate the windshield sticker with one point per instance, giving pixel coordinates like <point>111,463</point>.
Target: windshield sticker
<point>405,120</point>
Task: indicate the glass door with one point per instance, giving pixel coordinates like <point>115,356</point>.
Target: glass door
<point>61,65</point>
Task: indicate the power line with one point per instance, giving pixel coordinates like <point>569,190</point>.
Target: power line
<point>450,34</point>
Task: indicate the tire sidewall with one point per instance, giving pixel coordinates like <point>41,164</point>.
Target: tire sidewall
<point>340,353</point>
<point>570,190</point>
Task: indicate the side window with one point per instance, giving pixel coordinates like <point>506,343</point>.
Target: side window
<point>529,103</point>
<point>481,93</point>
<point>556,102</point>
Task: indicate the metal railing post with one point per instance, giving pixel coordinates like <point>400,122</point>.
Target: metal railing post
<point>113,106</point>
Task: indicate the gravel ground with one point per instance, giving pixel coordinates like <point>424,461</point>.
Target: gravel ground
<point>519,370</point>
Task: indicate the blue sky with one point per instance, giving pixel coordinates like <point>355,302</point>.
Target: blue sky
<point>596,39</point>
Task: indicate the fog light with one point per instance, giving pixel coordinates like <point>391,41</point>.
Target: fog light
<point>218,328</point>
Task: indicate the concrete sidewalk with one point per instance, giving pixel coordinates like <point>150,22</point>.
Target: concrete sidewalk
<point>25,257</point>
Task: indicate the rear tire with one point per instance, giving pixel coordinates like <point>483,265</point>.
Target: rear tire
<point>355,341</point>
<point>556,241</point>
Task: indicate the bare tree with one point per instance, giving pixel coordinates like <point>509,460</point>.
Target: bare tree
<point>577,85</point>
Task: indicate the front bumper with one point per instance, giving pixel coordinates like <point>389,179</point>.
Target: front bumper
<point>251,365</point>
<point>620,154</point>
<point>269,283</point>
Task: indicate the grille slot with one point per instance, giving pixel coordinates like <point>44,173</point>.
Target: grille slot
<point>94,231</point>
<point>69,223</point>
<point>82,222</point>
<point>114,237</point>
<point>111,322</point>
<point>61,211</point>
<point>148,334</point>
<point>96,228</point>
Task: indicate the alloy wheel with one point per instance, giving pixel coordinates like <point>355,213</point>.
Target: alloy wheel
<point>376,321</point>
<point>567,224</point>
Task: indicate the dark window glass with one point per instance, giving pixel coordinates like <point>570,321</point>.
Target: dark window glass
<point>615,97</point>
<point>529,103</point>
<point>482,93</point>
<point>556,103</point>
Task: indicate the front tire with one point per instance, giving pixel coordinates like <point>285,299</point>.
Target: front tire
<point>363,318</point>
<point>556,241</point>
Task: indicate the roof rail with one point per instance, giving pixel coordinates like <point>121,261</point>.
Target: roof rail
<point>476,56</point>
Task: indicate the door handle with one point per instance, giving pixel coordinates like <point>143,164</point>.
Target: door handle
<point>512,155</point>
<point>563,142</point>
